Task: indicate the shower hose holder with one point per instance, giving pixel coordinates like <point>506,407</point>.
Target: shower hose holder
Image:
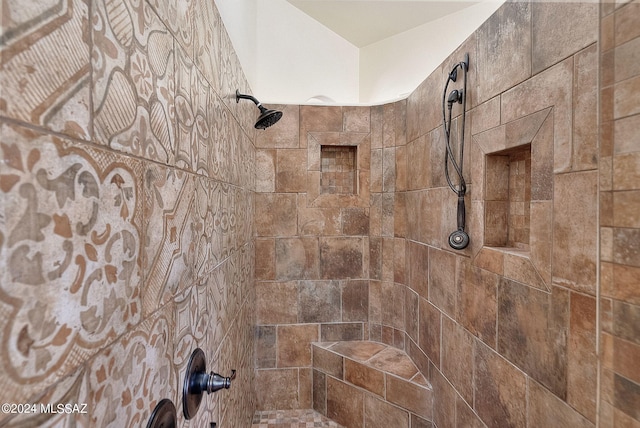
<point>197,381</point>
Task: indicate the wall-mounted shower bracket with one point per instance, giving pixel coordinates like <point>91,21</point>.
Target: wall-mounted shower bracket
<point>197,381</point>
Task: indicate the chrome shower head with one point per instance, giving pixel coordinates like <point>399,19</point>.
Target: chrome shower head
<point>267,116</point>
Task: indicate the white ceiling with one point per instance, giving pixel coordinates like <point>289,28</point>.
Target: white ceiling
<point>363,22</point>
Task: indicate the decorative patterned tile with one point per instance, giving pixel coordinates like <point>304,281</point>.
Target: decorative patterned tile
<point>70,237</point>
<point>194,111</point>
<point>168,256</point>
<point>133,80</point>
<point>126,381</point>
<point>45,70</point>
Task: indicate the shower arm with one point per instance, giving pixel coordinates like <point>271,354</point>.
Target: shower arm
<point>240,96</point>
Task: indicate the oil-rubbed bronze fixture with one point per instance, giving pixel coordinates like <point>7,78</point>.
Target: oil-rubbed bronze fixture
<point>164,415</point>
<point>197,381</point>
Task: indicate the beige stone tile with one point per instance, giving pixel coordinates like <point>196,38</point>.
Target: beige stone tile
<point>626,171</point>
<point>400,221</point>
<point>345,403</point>
<point>585,110</point>
<point>294,344</point>
<point>394,361</point>
<point>276,302</point>
<point>442,292</point>
<point>477,302</point>
<point>417,399</point>
<point>545,409</point>
<point>504,50</point>
<point>620,282</point>
<point>286,134</point>
<point>626,206</point>
<point>625,246</point>
<point>319,392</point>
<point>364,376</point>
<point>626,59</point>
<point>625,135</point>
<point>457,357</point>
<point>342,331</point>
<point>358,350</point>
<point>552,87</point>
<point>320,119</point>
<point>319,301</point>
<point>560,29</point>
<point>328,362</point>
<point>625,26</point>
<point>392,304</point>
<point>265,259</point>
<point>412,312</point>
<point>279,389</point>
<point>275,214</point>
<point>532,332</point>
<point>291,170</point>
<point>623,104</point>
<point>355,300</point>
<point>266,171</point>
<point>318,221</point>
<point>356,119</point>
<point>444,400</point>
<point>582,356</point>
<point>297,258</point>
<point>575,255</point>
<point>429,336</point>
<point>418,266</point>
<point>266,350</point>
<point>341,258</point>
<point>401,169</point>
<point>380,414</point>
<point>500,390</point>
<point>355,221</point>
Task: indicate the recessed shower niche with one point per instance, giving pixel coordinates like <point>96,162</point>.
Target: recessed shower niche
<point>515,178</point>
<point>508,198</point>
<point>338,170</point>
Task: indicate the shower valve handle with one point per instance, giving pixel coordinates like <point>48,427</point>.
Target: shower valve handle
<point>212,382</point>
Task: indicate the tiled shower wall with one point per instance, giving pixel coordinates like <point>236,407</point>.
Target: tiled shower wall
<point>619,214</point>
<point>508,336</point>
<point>126,210</point>
<point>325,267</point>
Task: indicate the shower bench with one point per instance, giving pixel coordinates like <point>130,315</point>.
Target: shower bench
<point>364,384</point>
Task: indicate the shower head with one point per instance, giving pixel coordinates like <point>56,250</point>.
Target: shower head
<point>267,116</point>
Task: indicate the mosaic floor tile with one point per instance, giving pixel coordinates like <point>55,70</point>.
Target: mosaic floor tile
<point>291,419</point>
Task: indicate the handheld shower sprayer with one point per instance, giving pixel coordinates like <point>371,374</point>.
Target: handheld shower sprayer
<point>459,239</point>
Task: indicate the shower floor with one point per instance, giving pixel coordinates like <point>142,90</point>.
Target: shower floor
<point>292,419</point>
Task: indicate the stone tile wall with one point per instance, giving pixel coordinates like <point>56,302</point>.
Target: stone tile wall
<point>126,210</point>
<point>506,333</point>
<point>619,218</point>
<point>325,266</point>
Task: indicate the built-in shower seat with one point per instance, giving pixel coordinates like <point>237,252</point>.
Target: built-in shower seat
<point>369,384</point>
